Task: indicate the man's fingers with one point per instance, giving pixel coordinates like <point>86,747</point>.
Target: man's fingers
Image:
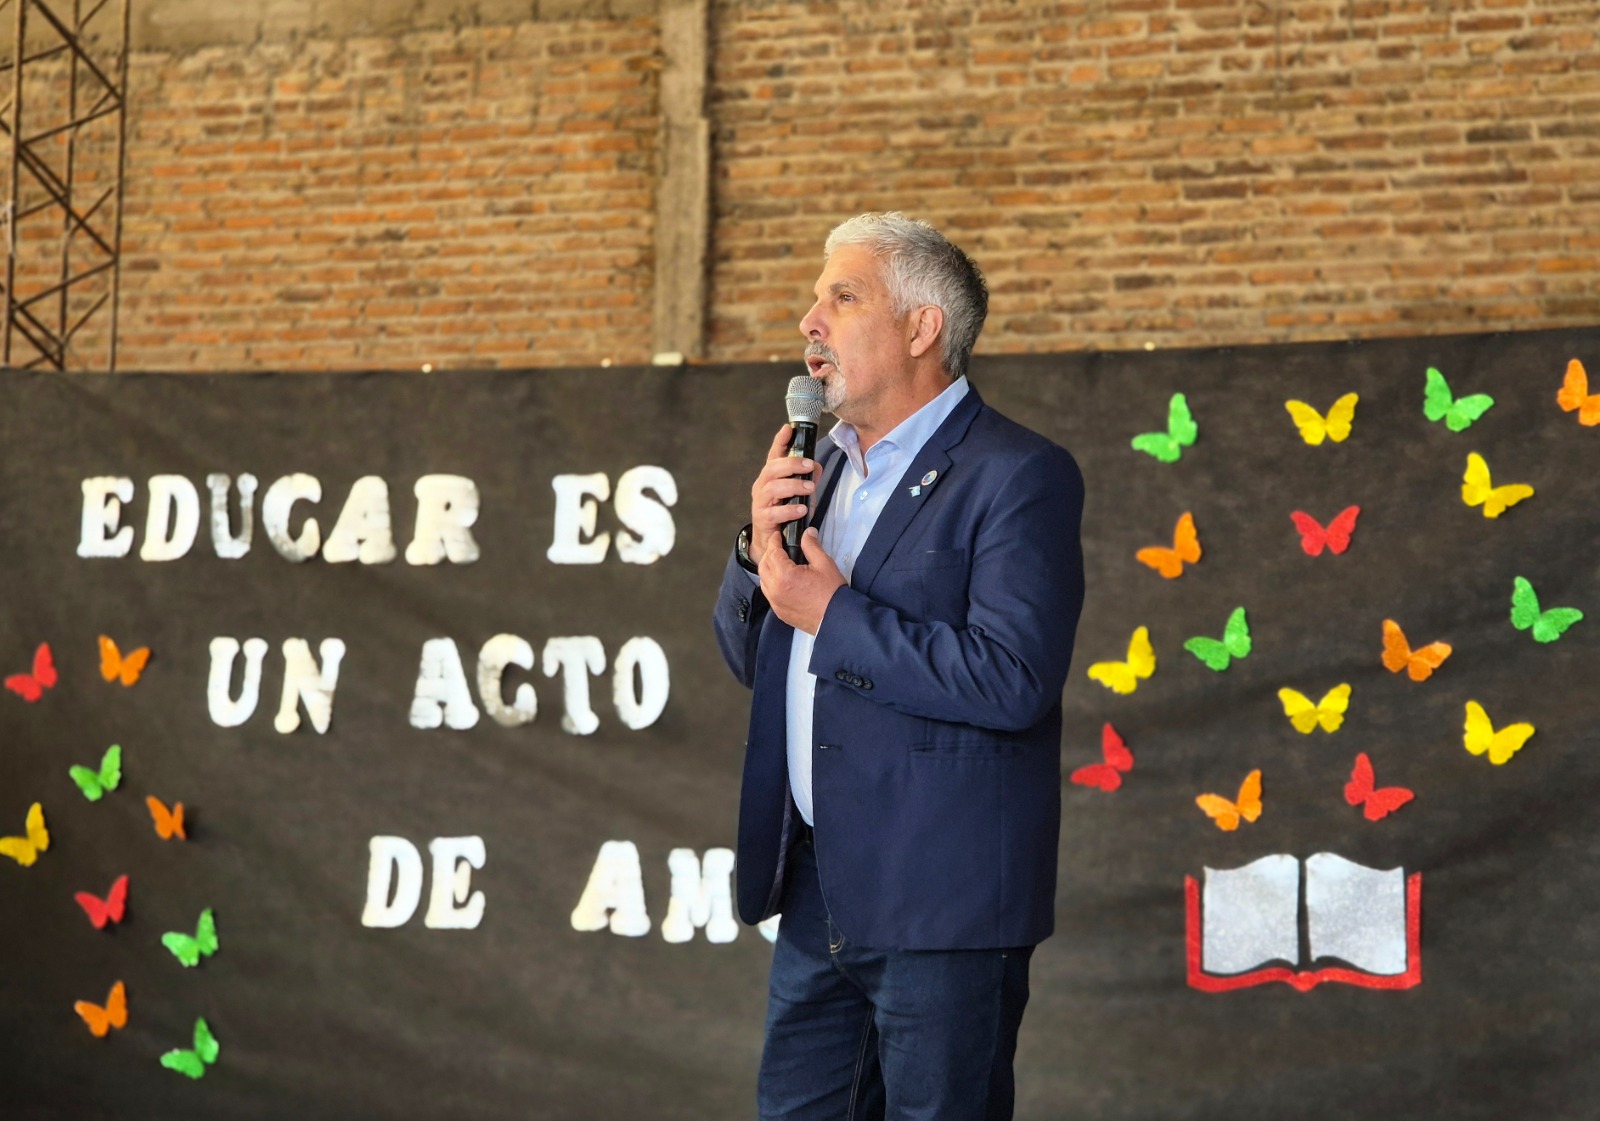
<point>770,516</point>
<point>785,468</point>
<point>768,523</point>
<point>774,491</point>
<point>780,442</point>
<point>778,473</point>
<point>772,554</point>
<point>811,546</point>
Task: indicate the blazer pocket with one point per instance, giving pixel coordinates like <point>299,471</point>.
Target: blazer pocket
<point>930,559</point>
<point>986,750</point>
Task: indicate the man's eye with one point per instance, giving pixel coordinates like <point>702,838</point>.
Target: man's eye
<point>846,298</point>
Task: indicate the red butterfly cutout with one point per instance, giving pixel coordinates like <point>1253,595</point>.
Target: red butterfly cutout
<point>1361,791</point>
<point>111,908</point>
<point>1107,775</point>
<point>31,686</point>
<point>1336,537</point>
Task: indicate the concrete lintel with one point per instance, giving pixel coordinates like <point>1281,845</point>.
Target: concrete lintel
<point>187,25</point>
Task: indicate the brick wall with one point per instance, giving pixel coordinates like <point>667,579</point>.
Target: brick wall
<point>480,197</point>
<point>1172,171</point>
<point>1175,171</point>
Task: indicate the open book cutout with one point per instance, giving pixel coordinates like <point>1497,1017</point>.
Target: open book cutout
<point>1368,918</point>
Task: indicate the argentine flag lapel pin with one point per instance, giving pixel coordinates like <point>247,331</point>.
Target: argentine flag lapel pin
<point>927,481</point>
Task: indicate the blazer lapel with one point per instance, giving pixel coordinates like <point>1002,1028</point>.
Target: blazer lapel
<point>902,507</point>
<point>830,481</point>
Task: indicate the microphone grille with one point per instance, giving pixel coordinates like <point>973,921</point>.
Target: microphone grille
<point>804,400</point>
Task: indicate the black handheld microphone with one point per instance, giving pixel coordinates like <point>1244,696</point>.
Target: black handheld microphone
<point>804,402</point>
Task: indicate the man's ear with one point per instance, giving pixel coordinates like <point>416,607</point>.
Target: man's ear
<point>926,324</point>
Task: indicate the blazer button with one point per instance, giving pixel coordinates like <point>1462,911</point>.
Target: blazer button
<point>841,675</point>
<point>744,613</point>
<point>864,682</point>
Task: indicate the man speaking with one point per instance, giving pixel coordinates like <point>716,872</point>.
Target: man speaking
<point>902,781</point>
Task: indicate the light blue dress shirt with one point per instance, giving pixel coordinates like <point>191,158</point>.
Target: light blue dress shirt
<point>864,486</point>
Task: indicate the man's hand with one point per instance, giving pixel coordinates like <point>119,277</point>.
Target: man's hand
<point>799,593</point>
<point>781,478</point>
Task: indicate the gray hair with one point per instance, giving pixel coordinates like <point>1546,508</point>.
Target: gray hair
<point>922,268</point>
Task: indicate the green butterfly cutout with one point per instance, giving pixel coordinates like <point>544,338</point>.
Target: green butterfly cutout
<point>194,1063</point>
<point>190,950</point>
<point>1547,626</point>
<point>1181,432</point>
<point>1458,413</point>
<point>94,784</point>
<point>1235,643</point>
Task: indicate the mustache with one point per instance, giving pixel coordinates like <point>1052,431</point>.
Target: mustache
<point>822,350</point>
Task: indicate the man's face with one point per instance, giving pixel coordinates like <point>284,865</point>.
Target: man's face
<point>855,343</point>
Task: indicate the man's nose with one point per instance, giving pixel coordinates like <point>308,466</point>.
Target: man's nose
<point>812,325</point>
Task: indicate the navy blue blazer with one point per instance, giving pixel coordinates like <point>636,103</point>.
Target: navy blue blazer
<point>936,767</point>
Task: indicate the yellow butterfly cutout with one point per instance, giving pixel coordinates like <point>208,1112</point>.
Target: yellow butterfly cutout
<point>25,850</point>
<point>1314,427</point>
<point>1124,677</point>
<point>1305,716</point>
<point>113,1015</point>
<point>1477,489</point>
<point>115,665</point>
<point>1481,736</point>
<point>1227,814</point>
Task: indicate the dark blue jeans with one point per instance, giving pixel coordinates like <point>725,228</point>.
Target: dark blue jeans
<point>860,1034</point>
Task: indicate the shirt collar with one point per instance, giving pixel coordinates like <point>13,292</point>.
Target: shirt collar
<point>909,435</point>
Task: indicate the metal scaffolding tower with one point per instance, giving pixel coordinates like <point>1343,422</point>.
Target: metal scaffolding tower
<point>66,66</point>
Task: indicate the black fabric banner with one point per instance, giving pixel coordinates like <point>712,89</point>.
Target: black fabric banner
<point>308,845</point>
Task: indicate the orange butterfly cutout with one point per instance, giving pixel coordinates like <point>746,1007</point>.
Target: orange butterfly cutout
<point>169,823</point>
<point>1185,548</point>
<point>1118,759</point>
<point>1375,801</point>
<point>1227,814</point>
<point>1398,655</point>
<point>115,665</point>
<point>113,1015</point>
<point>1575,395</point>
